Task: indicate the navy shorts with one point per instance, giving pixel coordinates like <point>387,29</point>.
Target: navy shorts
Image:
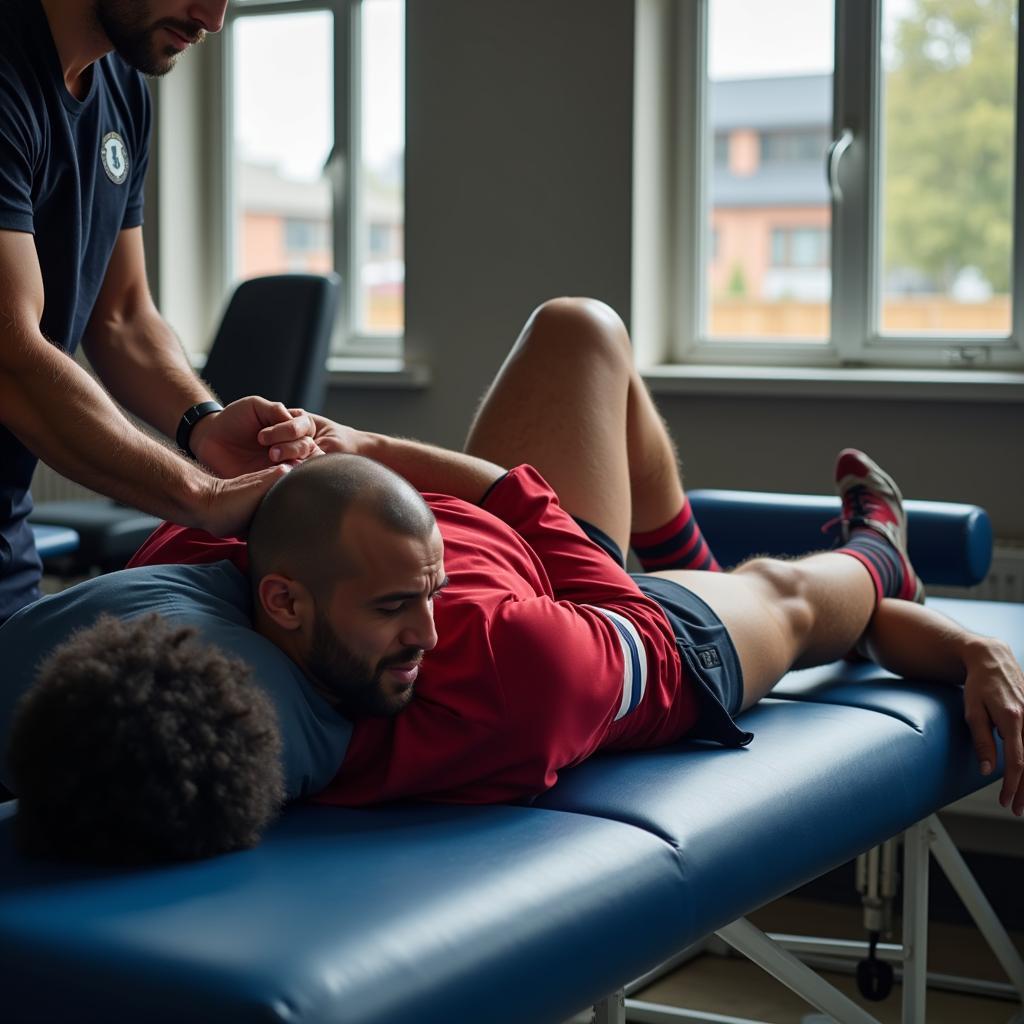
<point>705,649</point>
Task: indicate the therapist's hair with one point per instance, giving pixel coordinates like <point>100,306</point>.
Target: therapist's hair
<point>138,743</point>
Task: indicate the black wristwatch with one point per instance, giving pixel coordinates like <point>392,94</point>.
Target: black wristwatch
<point>189,420</point>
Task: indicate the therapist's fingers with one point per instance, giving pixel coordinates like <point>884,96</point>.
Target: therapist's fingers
<point>294,451</point>
<point>291,429</point>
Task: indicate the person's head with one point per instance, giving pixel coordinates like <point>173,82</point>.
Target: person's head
<point>346,561</point>
<point>150,34</point>
<point>137,743</point>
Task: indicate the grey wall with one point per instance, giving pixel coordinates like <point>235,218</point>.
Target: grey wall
<point>518,177</point>
<point>952,452</point>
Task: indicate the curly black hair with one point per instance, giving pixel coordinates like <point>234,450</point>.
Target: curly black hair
<point>137,743</point>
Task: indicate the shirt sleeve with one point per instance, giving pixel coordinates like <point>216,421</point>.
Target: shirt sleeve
<point>17,160</point>
<point>565,678</point>
<point>541,699</point>
<point>144,126</point>
<point>170,544</point>
<point>578,568</point>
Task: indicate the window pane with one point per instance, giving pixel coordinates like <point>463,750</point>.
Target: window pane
<point>949,73</point>
<point>780,248</point>
<point>283,114</point>
<point>793,146</point>
<point>381,214</point>
<point>769,119</point>
<point>807,248</point>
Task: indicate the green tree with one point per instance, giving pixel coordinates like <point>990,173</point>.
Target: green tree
<point>737,286</point>
<point>948,146</point>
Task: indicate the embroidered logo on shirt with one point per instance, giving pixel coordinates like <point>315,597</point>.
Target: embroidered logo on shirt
<point>114,157</point>
<point>709,657</point>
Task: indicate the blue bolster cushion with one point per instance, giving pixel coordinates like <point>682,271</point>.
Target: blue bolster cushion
<point>950,544</point>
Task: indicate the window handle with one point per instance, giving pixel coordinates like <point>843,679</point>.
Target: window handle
<point>832,161</point>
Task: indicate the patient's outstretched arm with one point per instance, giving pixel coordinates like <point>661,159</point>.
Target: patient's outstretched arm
<point>918,643</point>
<point>425,466</point>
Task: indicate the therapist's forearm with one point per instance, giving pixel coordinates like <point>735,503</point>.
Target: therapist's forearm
<point>143,365</point>
<point>65,418</point>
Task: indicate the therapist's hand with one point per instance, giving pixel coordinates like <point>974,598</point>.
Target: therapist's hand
<point>226,507</point>
<point>253,434</point>
<point>994,700</point>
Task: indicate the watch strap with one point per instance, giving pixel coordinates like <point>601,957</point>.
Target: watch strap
<point>191,417</point>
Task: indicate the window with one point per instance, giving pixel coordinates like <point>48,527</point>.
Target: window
<point>799,247</point>
<point>315,107</point>
<point>307,245</point>
<point>862,202</point>
<point>793,147</point>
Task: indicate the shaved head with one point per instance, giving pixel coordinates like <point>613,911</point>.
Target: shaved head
<point>297,529</point>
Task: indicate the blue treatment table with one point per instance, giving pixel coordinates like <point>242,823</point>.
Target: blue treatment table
<point>526,914</point>
<point>52,541</point>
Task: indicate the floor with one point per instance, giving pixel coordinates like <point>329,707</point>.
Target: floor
<point>734,986</point>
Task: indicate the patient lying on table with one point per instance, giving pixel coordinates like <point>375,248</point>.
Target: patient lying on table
<point>428,625</point>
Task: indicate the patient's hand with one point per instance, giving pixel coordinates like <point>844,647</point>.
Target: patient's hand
<point>994,699</point>
<point>335,437</point>
<point>252,434</point>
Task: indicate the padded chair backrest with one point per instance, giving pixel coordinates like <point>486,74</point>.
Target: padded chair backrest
<point>274,338</point>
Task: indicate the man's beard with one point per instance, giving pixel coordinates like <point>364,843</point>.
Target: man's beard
<point>127,25</point>
<point>350,684</point>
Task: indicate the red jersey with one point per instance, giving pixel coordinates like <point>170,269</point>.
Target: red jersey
<point>547,651</point>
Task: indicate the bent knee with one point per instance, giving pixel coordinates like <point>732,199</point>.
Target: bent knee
<point>785,591</point>
<point>589,327</point>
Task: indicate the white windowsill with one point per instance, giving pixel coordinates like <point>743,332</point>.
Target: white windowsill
<point>830,382</point>
<point>371,372</point>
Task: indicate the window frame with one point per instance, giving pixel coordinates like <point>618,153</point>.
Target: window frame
<point>344,163</point>
<point>855,338</point>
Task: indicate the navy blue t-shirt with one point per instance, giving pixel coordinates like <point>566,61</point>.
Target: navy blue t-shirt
<point>71,174</point>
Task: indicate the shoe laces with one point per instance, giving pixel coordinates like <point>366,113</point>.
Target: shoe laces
<point>858,505</point>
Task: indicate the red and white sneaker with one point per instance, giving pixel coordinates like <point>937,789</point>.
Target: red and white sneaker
<point>871,500</point>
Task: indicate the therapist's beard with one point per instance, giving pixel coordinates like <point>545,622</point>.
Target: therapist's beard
<point>351,685</point>
<point>136,38</point>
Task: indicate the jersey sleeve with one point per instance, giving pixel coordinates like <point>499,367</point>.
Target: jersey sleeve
<point>567,674</point>
<point>17,160</point>
<point>579,570</point>
<point>550,685</point>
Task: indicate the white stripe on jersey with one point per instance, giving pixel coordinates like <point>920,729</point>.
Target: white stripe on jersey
<point>634,658</point>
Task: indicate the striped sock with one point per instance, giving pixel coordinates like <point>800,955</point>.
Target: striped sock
<point>880,559</point>
<point>678,544</point>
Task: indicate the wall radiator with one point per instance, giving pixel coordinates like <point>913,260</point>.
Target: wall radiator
<point>1005,580</point>
<point>49,485</point>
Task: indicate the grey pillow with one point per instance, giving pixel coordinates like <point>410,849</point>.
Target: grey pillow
<point>215,600</point>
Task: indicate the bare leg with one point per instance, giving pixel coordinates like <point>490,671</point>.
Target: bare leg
<point>785,615</point>
<point>569,401</point>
